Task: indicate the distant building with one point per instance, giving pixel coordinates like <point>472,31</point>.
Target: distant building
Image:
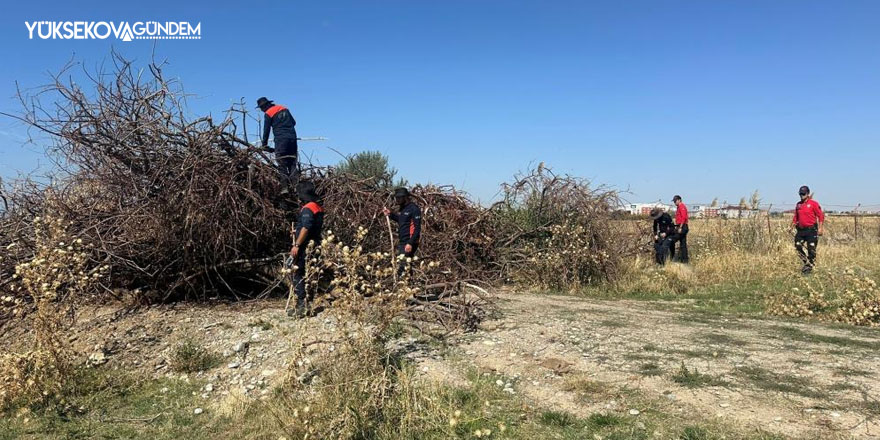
<point>704,211</point>
<point>732,211</point>
<point>644,208</point>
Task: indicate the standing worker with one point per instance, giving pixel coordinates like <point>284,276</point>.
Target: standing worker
<point>681,229</point>
<point>281,122</point>
<point>409,222</point>
<point>664,231</point>
<point>308,229</point>
<point>809,220</point>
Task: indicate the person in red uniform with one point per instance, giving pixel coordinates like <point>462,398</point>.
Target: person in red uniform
<point>681,229</point>
<point>809,221</point>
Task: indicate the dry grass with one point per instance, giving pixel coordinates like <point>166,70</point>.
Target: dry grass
<point>746,265</point>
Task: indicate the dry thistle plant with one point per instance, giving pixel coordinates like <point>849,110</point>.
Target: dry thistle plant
<point>359,391</point>
<point>58,269</point>
<point>850,297</point>
<point>861,301</point>
<point>362,285</point>
<point>565,259</point>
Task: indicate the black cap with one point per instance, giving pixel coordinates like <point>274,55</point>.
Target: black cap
<point>401,192</point>
<point>677,197</point>
<point>804,190</point>
<point>305,190</point>
<point>263,101</point>
<point>656,212</point>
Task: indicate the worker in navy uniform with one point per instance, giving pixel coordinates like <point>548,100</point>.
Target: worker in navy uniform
<point>409,226</point>
<point>279,120</point>
<point>664,230</point>
<point>308,229</point>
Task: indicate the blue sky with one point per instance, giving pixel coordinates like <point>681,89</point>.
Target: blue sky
<point>701,98</point>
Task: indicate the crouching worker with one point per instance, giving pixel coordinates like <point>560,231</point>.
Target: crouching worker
<point>308,230</point>
<point>663,228</point>
<point>409,221</point>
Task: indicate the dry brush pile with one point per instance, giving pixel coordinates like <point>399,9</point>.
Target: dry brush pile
<point>180,207</point>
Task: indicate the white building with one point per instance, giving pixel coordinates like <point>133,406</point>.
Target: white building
<point>732,211</point>
<point>703,211</point>
<point>645,208</point>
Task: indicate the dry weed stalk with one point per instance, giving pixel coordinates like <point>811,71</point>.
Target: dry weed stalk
<point>58,269</point>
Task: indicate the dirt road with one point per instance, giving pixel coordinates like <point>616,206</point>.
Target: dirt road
<point>801,380</point>
<point>562,353</point>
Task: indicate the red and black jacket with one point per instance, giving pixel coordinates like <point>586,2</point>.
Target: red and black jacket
<point>808,214</point>
<point>409,223</point>
<point>311,217</point>
<point>281,122</point>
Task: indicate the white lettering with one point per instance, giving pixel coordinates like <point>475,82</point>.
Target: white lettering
<point>123,30</point>
<point>48,31</point>
<point>56,30</point>
<point>30,29</point>
<point>117,29</point>
<point>68,30</point>
<point>106,30</point>
<point>78,33</point>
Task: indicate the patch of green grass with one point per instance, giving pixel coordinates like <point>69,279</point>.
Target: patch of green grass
<point>584,386</point>
<point>692,378</point>
<point>640,357</point>
<point>694,433</point>
<point>796,334</point>
<point>121,405</point>
<point>599,420</point>
<point>614,323</point>
<point>841,386</point>
<point>862,332</point>
<point>649,347</point>
<point>721,300</point>
<point>851,371</point>
<point>557,419</point>
<point>112,404</point>
<point>783,383</point>
<point>190,357</point>
<point>713,319</point>
<point>396,330</point>
<point>650,369</point>
<point>262,324</point>
<point>698,432</point>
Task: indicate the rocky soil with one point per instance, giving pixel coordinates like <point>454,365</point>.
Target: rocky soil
<point>801,380</point>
